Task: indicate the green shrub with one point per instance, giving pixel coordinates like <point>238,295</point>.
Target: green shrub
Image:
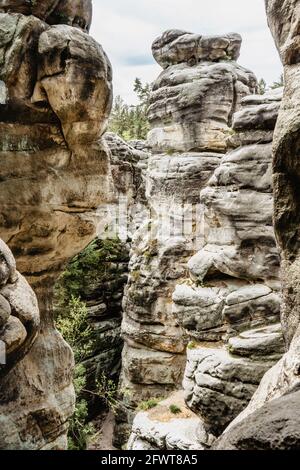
<point>149,404</point>
<point>175,409</point>
<point>107,389</point>
<point>79,429</point>
<point>73,323</point>
<point>74,327</point>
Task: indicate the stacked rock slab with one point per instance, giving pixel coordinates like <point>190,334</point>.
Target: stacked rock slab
<point>55,98</point>
<point>231,309</point>
<point>188,136</point>
<point>271,421</point>
<point>19,314</point>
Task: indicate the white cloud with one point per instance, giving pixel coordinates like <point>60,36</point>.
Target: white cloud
<point>127,28</point>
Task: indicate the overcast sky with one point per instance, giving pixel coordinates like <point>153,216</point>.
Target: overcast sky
<point>127,28</point>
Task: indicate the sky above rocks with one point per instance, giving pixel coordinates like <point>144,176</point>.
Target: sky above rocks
<point>127,28</point>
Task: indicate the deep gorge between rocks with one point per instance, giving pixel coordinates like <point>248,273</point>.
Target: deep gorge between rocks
<point>170,265</point>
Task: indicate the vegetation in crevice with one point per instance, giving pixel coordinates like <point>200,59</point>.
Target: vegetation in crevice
<point>149,404</point>
<point>95,274</point>
<point>174,409</point>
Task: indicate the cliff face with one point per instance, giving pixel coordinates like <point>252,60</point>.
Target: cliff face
<point>271,420</point>
<point>237,308</point>
<point>228,300</point>
<point>55,98</point>
<point>188,137</point>
<point>230,305</point>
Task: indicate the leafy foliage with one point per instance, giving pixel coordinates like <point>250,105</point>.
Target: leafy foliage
<point>107,389</point>
<point>79,429</point>
<point>73,323</point>
<point>76,330</point>
<point>131,122</point>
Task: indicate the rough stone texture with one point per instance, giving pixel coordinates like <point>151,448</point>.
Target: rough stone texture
<point>232,299</point>
<point>159,428</point>
<point>19,313</point>
<point>101,285</point>
<point>276,416</point>
<point>286,171</point>
<point>77,13</point>
<point>128,165</point>
<point>175,47</point>
<point>54,104</point>
<point>179,123</point>
<point>219,384</point>
<point>186,113</point>
<point>279,380</point>
<point>180,166</point>
<point>275,426</point>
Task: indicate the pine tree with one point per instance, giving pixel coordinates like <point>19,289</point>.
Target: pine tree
<point>131,122</point>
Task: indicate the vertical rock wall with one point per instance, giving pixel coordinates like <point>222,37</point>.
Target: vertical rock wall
<point>55,98</point>
<point>234,303</point>
<point>271,420</point>
<point>191,110</point>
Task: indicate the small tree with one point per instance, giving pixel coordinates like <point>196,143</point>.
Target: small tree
<point>262,86</point>
<point>73,325</point>
<point>279,83</point>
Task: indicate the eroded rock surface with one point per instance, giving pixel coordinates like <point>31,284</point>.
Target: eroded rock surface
<point>234,300</point>
<point>19,313</point>
<point>274,426</point>
<point>55,100</point>
<point>187,142</point>
<point>77,13</point>
<point>273,408</point>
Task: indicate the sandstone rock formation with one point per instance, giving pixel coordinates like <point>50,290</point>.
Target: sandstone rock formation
<point>168,426</point>
<point>186,112</point>
<point>237,307</point>
<point>275,426</point>
<point>55,98</point>
<point>274,401</point>
<point>97,275</point>
<point>187,142</point>
<point>19,313</point>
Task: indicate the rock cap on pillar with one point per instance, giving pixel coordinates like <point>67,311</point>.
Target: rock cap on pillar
<point>175,46</point>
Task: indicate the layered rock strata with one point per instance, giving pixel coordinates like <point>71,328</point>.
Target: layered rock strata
<point>273,406</point>
<point>230,306</point>
<point>234,302</point>
<point>189,134</point>
<point>55,98</point>
<point>19,317</point>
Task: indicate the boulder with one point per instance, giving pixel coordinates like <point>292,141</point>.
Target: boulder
<point>275,426</point>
